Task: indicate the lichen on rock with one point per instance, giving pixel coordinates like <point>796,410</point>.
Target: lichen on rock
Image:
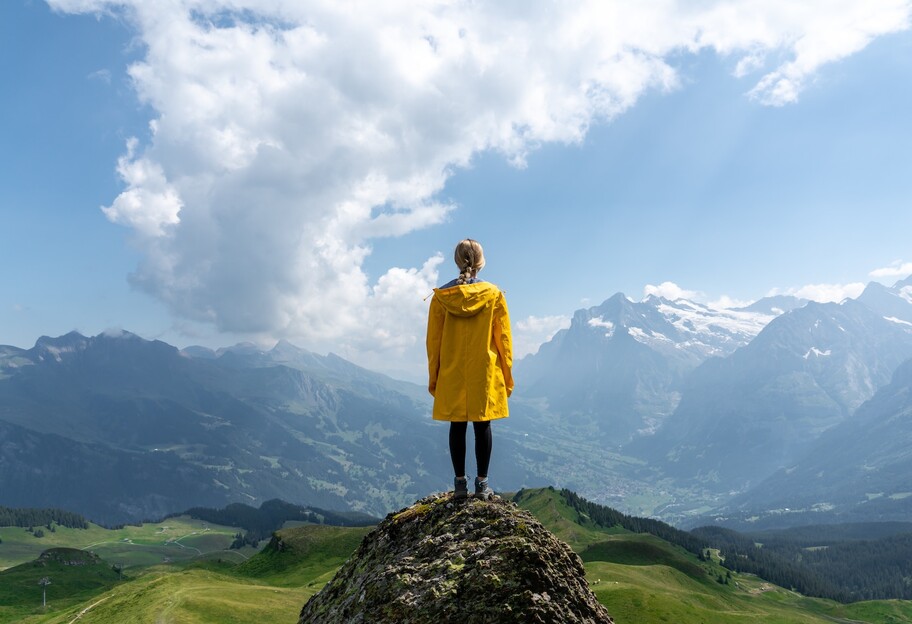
<point>468,561</point>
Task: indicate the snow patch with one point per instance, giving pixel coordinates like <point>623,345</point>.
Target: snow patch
<point>816,353</point>
<point>699,320</point>
<point>599,322</point>
<point>893,319</point>
<point>648,336</point>
<point>906,293</point>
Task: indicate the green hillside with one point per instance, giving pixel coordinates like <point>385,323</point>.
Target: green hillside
<point>639,577</point>
<point>74,576</point>
<point>271,587</point>
<point>193,596</point>
<point>174,540</point>
<point>303,556</point>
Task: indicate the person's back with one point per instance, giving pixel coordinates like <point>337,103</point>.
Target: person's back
<point>470,359</point>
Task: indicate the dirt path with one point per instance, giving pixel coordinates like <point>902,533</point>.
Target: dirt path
<point>87,609</point>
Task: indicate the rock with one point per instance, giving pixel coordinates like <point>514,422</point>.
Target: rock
<point>469,561</point>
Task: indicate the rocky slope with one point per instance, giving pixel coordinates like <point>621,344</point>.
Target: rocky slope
<point>471,561</point>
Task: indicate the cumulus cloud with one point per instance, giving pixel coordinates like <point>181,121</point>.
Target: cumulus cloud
<point>897,268</point>
<point>725,302</point>
<point>150,203</point>
<point>533,331</point>
<point>288,135</point>
<point>671,291</point>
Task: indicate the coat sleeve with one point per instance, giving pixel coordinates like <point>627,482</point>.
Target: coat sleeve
<point>503,339</point>
<point>436,318</point>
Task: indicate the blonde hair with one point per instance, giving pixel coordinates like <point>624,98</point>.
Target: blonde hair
<point>469,258</point>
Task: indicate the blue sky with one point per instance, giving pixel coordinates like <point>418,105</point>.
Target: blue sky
<point>305,165</point>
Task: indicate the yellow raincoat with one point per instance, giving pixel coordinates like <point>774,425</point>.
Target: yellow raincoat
<point>470,353</point>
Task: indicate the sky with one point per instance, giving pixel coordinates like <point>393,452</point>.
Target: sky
<point>215,171</point>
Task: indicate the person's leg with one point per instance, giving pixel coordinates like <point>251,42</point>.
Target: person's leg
<point>458,446</point>
<point>457,455</point>
<point>483,445</point>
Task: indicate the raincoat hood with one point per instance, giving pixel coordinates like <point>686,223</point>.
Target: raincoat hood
<point>467,299</point>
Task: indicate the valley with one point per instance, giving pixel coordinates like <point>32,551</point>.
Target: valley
<point>638,576</point>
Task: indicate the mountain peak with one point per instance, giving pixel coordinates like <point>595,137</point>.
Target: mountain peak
<point>59,347</point>
<point>443,560</point>
<point>284,347</point>
<point>67,340</point>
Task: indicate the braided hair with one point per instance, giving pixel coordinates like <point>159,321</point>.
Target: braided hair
<point>469,258</point>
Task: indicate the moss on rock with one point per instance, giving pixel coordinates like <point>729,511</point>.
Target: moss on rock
<point>468,561</point>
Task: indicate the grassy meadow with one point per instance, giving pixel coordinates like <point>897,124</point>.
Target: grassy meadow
<point>639,577</point>
<point>175,540</point>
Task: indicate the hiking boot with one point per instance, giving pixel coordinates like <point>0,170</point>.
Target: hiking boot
<point>461,485</point>
<point>482,490</point>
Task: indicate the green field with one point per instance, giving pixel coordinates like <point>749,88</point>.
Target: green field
<point>174,540</point>
<point>640,578</point>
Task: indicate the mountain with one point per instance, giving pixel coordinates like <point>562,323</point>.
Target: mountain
<point>894,303</point>
<point>107,484</point>
<point>774,305</point>
<point>123,429</point>
<point>119,429</point>
<point>620,365</point>
<point>857,470</point>
<point>743,417</point>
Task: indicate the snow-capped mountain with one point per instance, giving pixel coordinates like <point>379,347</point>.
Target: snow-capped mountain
<point>618,368</point>
<point>683,326</point>
<point>894,303</point>
<point>743,417</point>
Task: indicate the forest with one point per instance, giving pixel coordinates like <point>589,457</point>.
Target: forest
<point>846,563</point>
<point>41,517</point>
<point>271,515</point>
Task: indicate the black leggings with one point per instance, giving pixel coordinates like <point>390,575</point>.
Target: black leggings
<point>483,444</point>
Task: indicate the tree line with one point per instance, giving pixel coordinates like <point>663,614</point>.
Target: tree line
<point>271,515</point>
<point>846,571</point>
<point>29,517</point>
<point>606,517</point>
<point>823,562</point>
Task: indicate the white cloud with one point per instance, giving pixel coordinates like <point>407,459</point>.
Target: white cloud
<point>726,303</point>
<point>834,31</point>
<point>671,291</point>
<point>288,135</point>
<point>897,268</point>
<point>533,331</point>
<point>823,292</point>
<point>150,203</point>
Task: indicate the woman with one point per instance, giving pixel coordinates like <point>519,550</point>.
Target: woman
<point>470,360</point>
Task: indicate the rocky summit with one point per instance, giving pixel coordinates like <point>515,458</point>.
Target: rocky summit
<point>468,561</point>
